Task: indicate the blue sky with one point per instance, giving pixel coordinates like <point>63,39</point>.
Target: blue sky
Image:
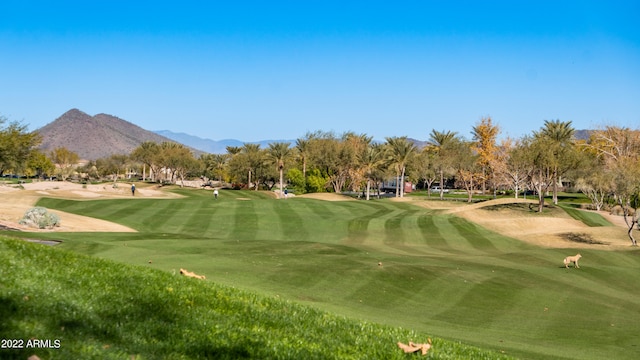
<point>276,70</point>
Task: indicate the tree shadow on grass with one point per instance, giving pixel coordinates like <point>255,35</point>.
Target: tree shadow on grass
<point>582,238</point>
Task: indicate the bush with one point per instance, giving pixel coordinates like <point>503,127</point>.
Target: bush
<point>296,181</point>
<point>39,217</point>
<point>316,182</point>
<point>619,211</point>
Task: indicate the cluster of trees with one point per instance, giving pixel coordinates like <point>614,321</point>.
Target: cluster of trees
<point>605,167</point>
<point>18,150</point>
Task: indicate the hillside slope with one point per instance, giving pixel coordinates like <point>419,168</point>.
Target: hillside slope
<point>94,137</point>
<point>99,309</point>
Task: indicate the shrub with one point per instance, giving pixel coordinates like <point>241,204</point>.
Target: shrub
<point>296,181</point>
<point>39,217</point>
<point>618,210</point>
<point>316,182</point>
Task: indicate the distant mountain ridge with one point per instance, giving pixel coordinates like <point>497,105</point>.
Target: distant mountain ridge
<point>213,146</point>
<point>94,137</point>
<point>220,146</point>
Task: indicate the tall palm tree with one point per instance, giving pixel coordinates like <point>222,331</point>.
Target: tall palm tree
<point>278,153</point>
<point>252,152</point>
<point>560,135</point>
<point>302,145</point>
<point>558,131</point>
<point>370,159</point>
<point>400,152</point>
<point>219,162</point>
<point>441,142</point>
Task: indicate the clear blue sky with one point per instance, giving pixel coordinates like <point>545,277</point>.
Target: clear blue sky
<point>276,70</point>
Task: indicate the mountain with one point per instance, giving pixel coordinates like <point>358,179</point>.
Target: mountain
<point>94,137</point>
<point>213,146</point>
<point>220,146</point>
<point>418,143</point>
<point>582,134</point>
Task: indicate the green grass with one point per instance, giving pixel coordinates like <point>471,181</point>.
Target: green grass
<point>90,308</point>
<point>589,218</point>
<point>441,275</point>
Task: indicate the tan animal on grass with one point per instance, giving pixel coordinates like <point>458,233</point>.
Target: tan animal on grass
<point>190,274</point>
<point>572,259</point>
<point>412,347</point>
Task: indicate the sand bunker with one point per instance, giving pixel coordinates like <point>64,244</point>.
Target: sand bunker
<point>16,201</point>
<point>539,229</point>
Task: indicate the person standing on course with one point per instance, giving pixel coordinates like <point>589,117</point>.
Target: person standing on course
<point>133,189</point>
<point>215,193</point>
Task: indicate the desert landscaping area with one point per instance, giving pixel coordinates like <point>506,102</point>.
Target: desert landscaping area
<point>17,199</point>
<point>537,229</point>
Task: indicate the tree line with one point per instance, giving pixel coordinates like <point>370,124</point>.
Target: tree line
<point>605,167</point>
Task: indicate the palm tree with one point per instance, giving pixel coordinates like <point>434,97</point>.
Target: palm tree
<point>370,160</point>
<point>400,152</point>
<point>560,134</point>
<point>219,162</point>
<point>441,142</point>
<point>278,153</point>
<point>558,131</point>
<point>233,150</point>
<point>252,152</point>
<point>302,145</point>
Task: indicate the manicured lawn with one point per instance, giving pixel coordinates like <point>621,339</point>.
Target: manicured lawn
<point>440,274</point>
<point>81,307</point>
<point>588,217</point>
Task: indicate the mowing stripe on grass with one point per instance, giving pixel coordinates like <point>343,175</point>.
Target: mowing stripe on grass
<point>377,228</point>
<point>318,207</point>
<point>124,212</point>
<point>441,234</point>
<point>474,235</point>
<point>246,195</point>
<point>291,223</point>
<point>394,231</point>
<point>245,220</point>
<point>484,302</point>
<point>358,228</point>
<point>164,216</point>
<point>201,218</point>
<point>75,206</point>
<point>431,234</point>
<point>589,218</point>
<point>114,210</point>
<point>70,206</point>
<point>458,238</point>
